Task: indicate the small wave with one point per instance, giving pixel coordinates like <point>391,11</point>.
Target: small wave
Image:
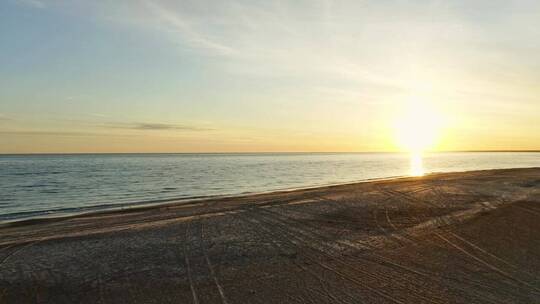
<point>21,173</point>
<point>34,186</point>
<point>37,173</point>
<point>49,191</point>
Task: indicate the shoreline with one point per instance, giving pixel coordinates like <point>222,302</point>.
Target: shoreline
<point>465,237</point>
<point>58,214</point>
<point>173,201</point>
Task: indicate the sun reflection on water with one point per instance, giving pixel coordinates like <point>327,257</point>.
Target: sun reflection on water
<point>416,166</point>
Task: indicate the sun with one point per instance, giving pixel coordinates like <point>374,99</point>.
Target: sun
<point>417,127</point>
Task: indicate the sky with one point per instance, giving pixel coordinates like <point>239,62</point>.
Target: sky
<point>266,76</point>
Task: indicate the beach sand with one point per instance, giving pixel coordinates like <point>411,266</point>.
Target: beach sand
<point>470,237</point>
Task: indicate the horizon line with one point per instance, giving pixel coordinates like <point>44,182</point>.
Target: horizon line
<point>261,152</point>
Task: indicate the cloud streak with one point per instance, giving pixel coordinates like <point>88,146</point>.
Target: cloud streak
<point>365,43</point>
<point>59,134</point>
<point>174,22</point>
<point>316,40</point>
<point>141,126</point>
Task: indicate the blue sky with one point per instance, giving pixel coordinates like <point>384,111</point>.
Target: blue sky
<point>191,76</point>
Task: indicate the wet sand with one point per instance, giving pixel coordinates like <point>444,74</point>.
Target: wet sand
<point>470,237</point>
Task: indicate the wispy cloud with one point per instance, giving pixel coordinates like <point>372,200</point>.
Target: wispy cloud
<point>153,126</point>
<point>59,133</point>
<point>111,125</point>
<point>359,46</point>
<point>260,39</point>
<point>174,22</point>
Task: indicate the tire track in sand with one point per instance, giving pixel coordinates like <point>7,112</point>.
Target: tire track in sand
<point>316,255</point>
<point>271,236</point>
<point>210,265</point>
<point>188,266</point>
<point>376,258</point>
<point>487,264</point>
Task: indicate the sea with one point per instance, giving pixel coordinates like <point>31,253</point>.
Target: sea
<point>56,185</point>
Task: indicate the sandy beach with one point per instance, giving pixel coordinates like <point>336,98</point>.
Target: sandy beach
<point>470,237</point>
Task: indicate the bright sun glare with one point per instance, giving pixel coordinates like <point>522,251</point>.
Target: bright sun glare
<point>417,130</point>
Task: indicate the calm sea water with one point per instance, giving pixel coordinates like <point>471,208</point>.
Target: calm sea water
<point>40,185</point>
